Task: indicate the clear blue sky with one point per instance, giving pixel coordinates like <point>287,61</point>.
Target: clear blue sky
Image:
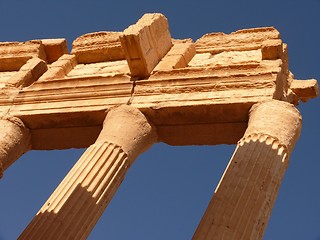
<point>168,188</point>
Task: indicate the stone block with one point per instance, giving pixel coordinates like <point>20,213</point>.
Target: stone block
<point>67,62</point>
<point>146,43</point>
<point>305,89</point>
<point>36,66</point>
<point>54,48</point>
<point>98,47</point>
<point>271,49</point>
<point>178,57</point>
<point>28,73</point>
<point>13,55</point>
<point>53,73</point>
<point>242,40</point>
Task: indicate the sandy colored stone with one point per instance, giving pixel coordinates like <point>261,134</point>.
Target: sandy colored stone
<point>13,55</point>
<point>242,40</point>
<point>242,202</point>
<point>98,47</point>
<point>110,68</point>
<point>193,93</point>
<point>28,73</point>
<point>178,56</point>
<point>60,68</point>
<point>146,43</point>
<point>73,209</point>
<point>305,89</point>
<point>54,48</point>
<point>14,141</point>
<point>271,49</point>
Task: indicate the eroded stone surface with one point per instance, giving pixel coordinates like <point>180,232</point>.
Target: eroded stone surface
<point>194,93</point>
<point>98,47</point>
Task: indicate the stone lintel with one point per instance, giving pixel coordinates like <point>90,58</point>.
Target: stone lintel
<point>146,43</point>
<point>242,40</point>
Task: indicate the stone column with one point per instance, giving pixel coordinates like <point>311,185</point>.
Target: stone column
<point>243,200</point>
<point>14,141</point>
<point>73,209</point>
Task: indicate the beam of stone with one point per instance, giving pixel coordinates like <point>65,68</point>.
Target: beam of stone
<point>98,47</point>
<point>179,56</point>
<point>146,43</point>
<point>76,205</point>
<point>14,141</point>
<point>209,84</point>
<point>28,73</point>
<point>60,68</point>
<point>243,200</point>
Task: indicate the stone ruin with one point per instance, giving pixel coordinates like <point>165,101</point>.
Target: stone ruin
<point>117,93</point>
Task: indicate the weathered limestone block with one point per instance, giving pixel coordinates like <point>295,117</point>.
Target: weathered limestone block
<point>54,48</point>
<point>60,68</point>
<point>226,58</point>
<point>178,56</point>
<point>241,205</point>
<point>28,73</point>
<point>242,40</point>
<point>272,49</point>
<point>76,205</point>
<point>13,55</point>
<point>5,76</point>
<point>111,68</point>
<point>98,47</point>
<point>305,89</point>
<point>146,43</point>
<point>14,141</point>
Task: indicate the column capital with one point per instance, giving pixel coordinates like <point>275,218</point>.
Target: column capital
<point>14,141</point>
<point>129,128</point>
<point>274,119</point>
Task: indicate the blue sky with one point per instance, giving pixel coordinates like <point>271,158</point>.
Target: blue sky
<point>168,188</point>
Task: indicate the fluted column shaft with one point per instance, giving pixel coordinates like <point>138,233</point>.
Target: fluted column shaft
<point>14,141</point>
<point>73,209</point>
<point>243,200</point>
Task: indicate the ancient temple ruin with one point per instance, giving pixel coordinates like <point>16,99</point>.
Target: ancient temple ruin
<point>117,93</point>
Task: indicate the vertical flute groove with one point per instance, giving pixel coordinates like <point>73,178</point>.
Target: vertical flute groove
<point>241,205</point>
<point>78,202</point>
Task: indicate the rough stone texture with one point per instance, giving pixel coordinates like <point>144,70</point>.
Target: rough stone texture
<point>14,141</point>
<point>60,68</point>
<point>98,47</point>
<point>146,43</point>
<point>194,93</point>
<point>243,200</point>
<point>28,73</point>
<point>13,55</point>
<point>178,57</point>
<point>54,48</point>
<point>73,209</point>
<point>305,89</point>
<point>209,84</point>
